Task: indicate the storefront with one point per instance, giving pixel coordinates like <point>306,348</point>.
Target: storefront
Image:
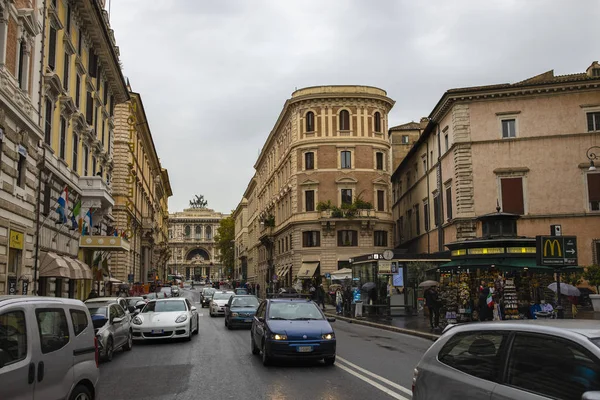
<point>63,276</point>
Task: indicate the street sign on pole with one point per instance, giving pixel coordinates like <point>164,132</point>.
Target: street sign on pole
<point>556,251</point>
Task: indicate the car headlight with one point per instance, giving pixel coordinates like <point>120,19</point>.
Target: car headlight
<point>277,336</point>
<point>137,320</point>
<point>328,336</point>
<point>181,318</point>
<point>234,314</point>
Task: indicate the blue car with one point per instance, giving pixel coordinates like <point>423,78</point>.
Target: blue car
<point>240,311</point>
<point>294,329</point>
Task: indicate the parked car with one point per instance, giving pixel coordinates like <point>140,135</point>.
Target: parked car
<point>122,301</point>
<point>49,341</point>
<point>132,303</point>
<point>150,296</point>
<point>218,301</point>
<point>112,326</point>
<point>174,291</point>
<point>240,311</point>
<point>241,291</point>
<point>292,328</point>
<point>206,296</point>
<point>165,319</point>
<point>533,359</point>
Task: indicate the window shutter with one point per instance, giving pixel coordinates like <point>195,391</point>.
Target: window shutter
<point>512,195</point>
<point>593,181</point>
<point>52,49</point>
<point>449,202</point>
<point>89,112</point>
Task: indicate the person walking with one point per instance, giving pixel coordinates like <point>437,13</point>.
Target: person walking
<point>321,296</point>
<point>338,301</point>
<point>432,301</point>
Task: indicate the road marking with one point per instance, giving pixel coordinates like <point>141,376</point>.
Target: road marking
<point>372,383</point>
<point>380,378</point>
<point>201,315</point>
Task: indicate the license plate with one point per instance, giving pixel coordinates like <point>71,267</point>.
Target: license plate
<point>304,349</point>
<point>247,320</point>
<point>155,331</point>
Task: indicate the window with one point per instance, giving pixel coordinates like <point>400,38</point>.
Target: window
<point>94,165</point>
<point>417,220</point>
<point>22,71</point>
<point>512,195</point>
<point>103,130</point>
<point>311,239</point>
<point>198,231</point>
<point>577,372</point>
<point>381,200</point>
<point>21,170</point>
<point>75,151</point>
<point>52,48</point>
<point>68,24</point>
<point>476,354</point>
<point>208,231</point>
<point>89,110</point>
<point>379,160</point>
<point>380,238</point>
<point>449,202</point>
<point>63,138</point>
<point>310,121</point>
<point>286,243</point>
<point>309,160</point>
<point>377,121</point>
<point>509,128</point>
<point>79,42</point>
<point>86,156</point>
<point>48,122</point>
<point>80,321</point>
<point>426,215</point>
<point>13,336</point>
<point>436,209</point>
<point>66,67</point>
<point>424,161</point>
<point>346,158</point>
<point>344,120</point>
<point>593,183</point>
<point>309,200</point>
<point>593,121</point>
<point>105,97</point>
<point>92,64</point>
<point>188,230</point>
<point>404,139</point>
<point>347,238</point>
<point>53,329</point>
<point>446,142</point>
<point>78,90</point>
<point>347,196</point>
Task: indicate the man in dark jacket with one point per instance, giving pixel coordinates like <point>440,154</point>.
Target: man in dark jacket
<point>321,296</point>
<point>432,301</point>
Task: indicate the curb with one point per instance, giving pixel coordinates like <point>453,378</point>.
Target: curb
<point>411,332</point>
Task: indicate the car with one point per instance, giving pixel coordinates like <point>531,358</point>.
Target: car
<point>132,303</point>
<point>241,291</point>
<point>525,360</point>
<point>174,291</point>
<point>206,296</point>
<point>218,301</point>
<point>112,326</point>
<point>166,319</point>
<point>49,341</point>
<point>150,296</point>
<point>122,301</point>
<point>293,329</point>
<point>164,291</point>
<point>240,310</point>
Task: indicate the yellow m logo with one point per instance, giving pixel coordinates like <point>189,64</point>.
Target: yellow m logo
<point>551,243</point>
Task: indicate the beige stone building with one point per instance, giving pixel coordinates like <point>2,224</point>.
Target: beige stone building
<point>141,189</point>
<point>523,146</point>
<point>327,156</point>
<point>240,216</point>
<point>402,138</point>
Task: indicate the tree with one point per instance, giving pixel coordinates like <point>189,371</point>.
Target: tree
<point>225,244</point>
<point>592,275</point>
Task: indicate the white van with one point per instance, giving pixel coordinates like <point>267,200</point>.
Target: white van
<point>48,349</point>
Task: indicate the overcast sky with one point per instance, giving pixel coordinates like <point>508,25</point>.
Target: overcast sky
<point>214,74</point>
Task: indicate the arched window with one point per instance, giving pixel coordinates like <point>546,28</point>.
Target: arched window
<point>344,120</point>
<point>188,230</point>
<point>198,231</point>
<point>208,231</point>
<point>377,121</point>
<point>310,121</point>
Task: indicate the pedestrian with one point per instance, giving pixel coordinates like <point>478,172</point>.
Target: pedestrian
<point>313,292</point>
<point>92,294</point>
<point>338,301</point>
<point>257,290</point>
<point>432,302</point>
<point>321,296</point>
<point>348,301</point>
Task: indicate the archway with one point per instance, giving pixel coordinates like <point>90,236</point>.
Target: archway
<point>198,264</point>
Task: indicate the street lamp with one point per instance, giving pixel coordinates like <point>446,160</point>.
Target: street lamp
<point>592,155</point>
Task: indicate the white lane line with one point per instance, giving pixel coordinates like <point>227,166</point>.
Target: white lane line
<point>372,383</point>
<point>380,378</point>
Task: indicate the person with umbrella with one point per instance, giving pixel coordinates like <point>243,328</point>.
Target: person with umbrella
<point>432,301</point>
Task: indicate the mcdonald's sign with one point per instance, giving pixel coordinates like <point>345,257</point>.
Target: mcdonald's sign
<point>556,251</point>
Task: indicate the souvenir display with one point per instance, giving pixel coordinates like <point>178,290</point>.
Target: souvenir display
<point>510,301</point>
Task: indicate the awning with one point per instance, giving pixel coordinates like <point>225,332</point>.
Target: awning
<point>307,270</point>
<point>505,264</point>
<point>341,274</point>
<point>112,280</point>
<point>283,271</point>
<point>76,272</point>
<point>87,272</point>
<point>54,266</point>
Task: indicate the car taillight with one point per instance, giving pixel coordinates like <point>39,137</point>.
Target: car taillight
<point>414,380</point>
<point>96,353</point>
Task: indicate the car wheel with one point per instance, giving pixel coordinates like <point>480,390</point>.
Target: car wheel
<point>266,360</point>
<point>255,349</point>
<point>189,336</point>
<point>110,349</point>
<point>197,331</point>
<point>129,344</point>
<point>80,392</point>
<point>329,360</point>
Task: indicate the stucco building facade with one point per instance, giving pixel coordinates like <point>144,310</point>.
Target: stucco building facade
<point>521,146</point>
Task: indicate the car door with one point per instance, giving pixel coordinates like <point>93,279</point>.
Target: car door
<point>53,369</point>
<point>228,309</point>
<point>258,326</point>
<point>545,366</point>
<point>116,313</point>
<point>193,314</point>
<point>17,353</point>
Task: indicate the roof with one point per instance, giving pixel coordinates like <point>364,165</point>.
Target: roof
<point>284,299</point>
<point>11,299</point>
<point>409,126</point>
<point>588,328</point>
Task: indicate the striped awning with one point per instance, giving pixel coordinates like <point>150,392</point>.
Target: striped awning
<point>54,266</point>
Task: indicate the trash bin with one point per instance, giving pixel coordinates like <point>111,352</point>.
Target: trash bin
<point>358,309</point>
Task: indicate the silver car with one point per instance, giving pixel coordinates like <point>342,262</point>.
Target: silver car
<point>218,301</point>
<point>112,327</point>
<point>517,360</point>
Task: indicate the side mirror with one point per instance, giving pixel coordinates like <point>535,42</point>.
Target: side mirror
<point>137,311</point>
<point>116,320</point>
<point>193,308</point>
<point>330,319</point>
<point>591,396</point>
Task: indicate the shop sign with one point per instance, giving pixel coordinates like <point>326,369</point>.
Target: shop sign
<point>25,288</point>
<point>384,267</point>
<point>16,240</point>
<point>12,285</point>
<point>487,250</point>
<point>556,251</point>
<point>460,252</point>
<point>520,250</point>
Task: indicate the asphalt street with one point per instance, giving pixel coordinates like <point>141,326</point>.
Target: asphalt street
<point>218,364</point>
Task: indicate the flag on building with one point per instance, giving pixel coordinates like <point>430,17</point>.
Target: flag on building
<point>87,223</point>
<point>75,216</point>
<point>116,233</point>
<point>63,202</point>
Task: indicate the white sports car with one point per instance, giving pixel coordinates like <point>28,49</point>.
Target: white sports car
<point>166,319</point>
<point>218,301</point>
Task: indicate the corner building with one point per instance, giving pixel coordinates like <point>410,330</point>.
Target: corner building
<point>327,156</point>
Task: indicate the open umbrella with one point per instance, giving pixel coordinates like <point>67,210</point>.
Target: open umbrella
<point>368,286</point>
<point>565,289</point>
<point>429,283</point>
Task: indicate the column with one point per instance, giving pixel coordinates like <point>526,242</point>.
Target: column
<point>3,35</point>
<point>25,64</point>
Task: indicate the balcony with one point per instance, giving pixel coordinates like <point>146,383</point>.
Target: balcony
<point>96,193</point>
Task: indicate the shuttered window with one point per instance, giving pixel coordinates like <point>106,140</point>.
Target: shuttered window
<point>380,200</point>
<point>89,110</point>
<point>593,182</point>
<point>512,195</point>
<point>52,49</point>
<point>449,202</point>
<point>344,120</point>
<point>377,120</point>
<point>310,121</point>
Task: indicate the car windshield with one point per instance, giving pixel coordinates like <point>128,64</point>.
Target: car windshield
<point>222,296</point>
<point>165,289</point>
<point>244,302</point>
<point>294,310</point>
<point>165,306</point>
<point>209,292</point>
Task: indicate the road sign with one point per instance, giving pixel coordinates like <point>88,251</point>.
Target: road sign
<point>556,251</point>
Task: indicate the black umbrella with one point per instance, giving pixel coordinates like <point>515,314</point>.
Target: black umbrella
<point>368,286</point>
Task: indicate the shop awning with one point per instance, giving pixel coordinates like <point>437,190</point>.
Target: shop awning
<point>508,263</point>
<point>54,266</point>
<point>341,274</point>
<point>284,271</point>
<point>469,262</point>
<point>76,272</point>
<point>307,270</point>
<point>87,272</point>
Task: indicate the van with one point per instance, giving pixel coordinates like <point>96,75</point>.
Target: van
<point>48,349</point>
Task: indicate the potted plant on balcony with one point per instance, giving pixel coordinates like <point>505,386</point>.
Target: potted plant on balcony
<point>364,207</point>
<point>336,212</point>
<point>592,276</point>
<point>349,210</point>
<point>325,208</point>
<point>269,221</point>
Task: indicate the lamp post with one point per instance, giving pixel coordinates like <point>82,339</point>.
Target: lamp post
<point>592,155</point>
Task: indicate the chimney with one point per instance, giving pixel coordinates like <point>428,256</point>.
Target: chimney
<point>424,121</point>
